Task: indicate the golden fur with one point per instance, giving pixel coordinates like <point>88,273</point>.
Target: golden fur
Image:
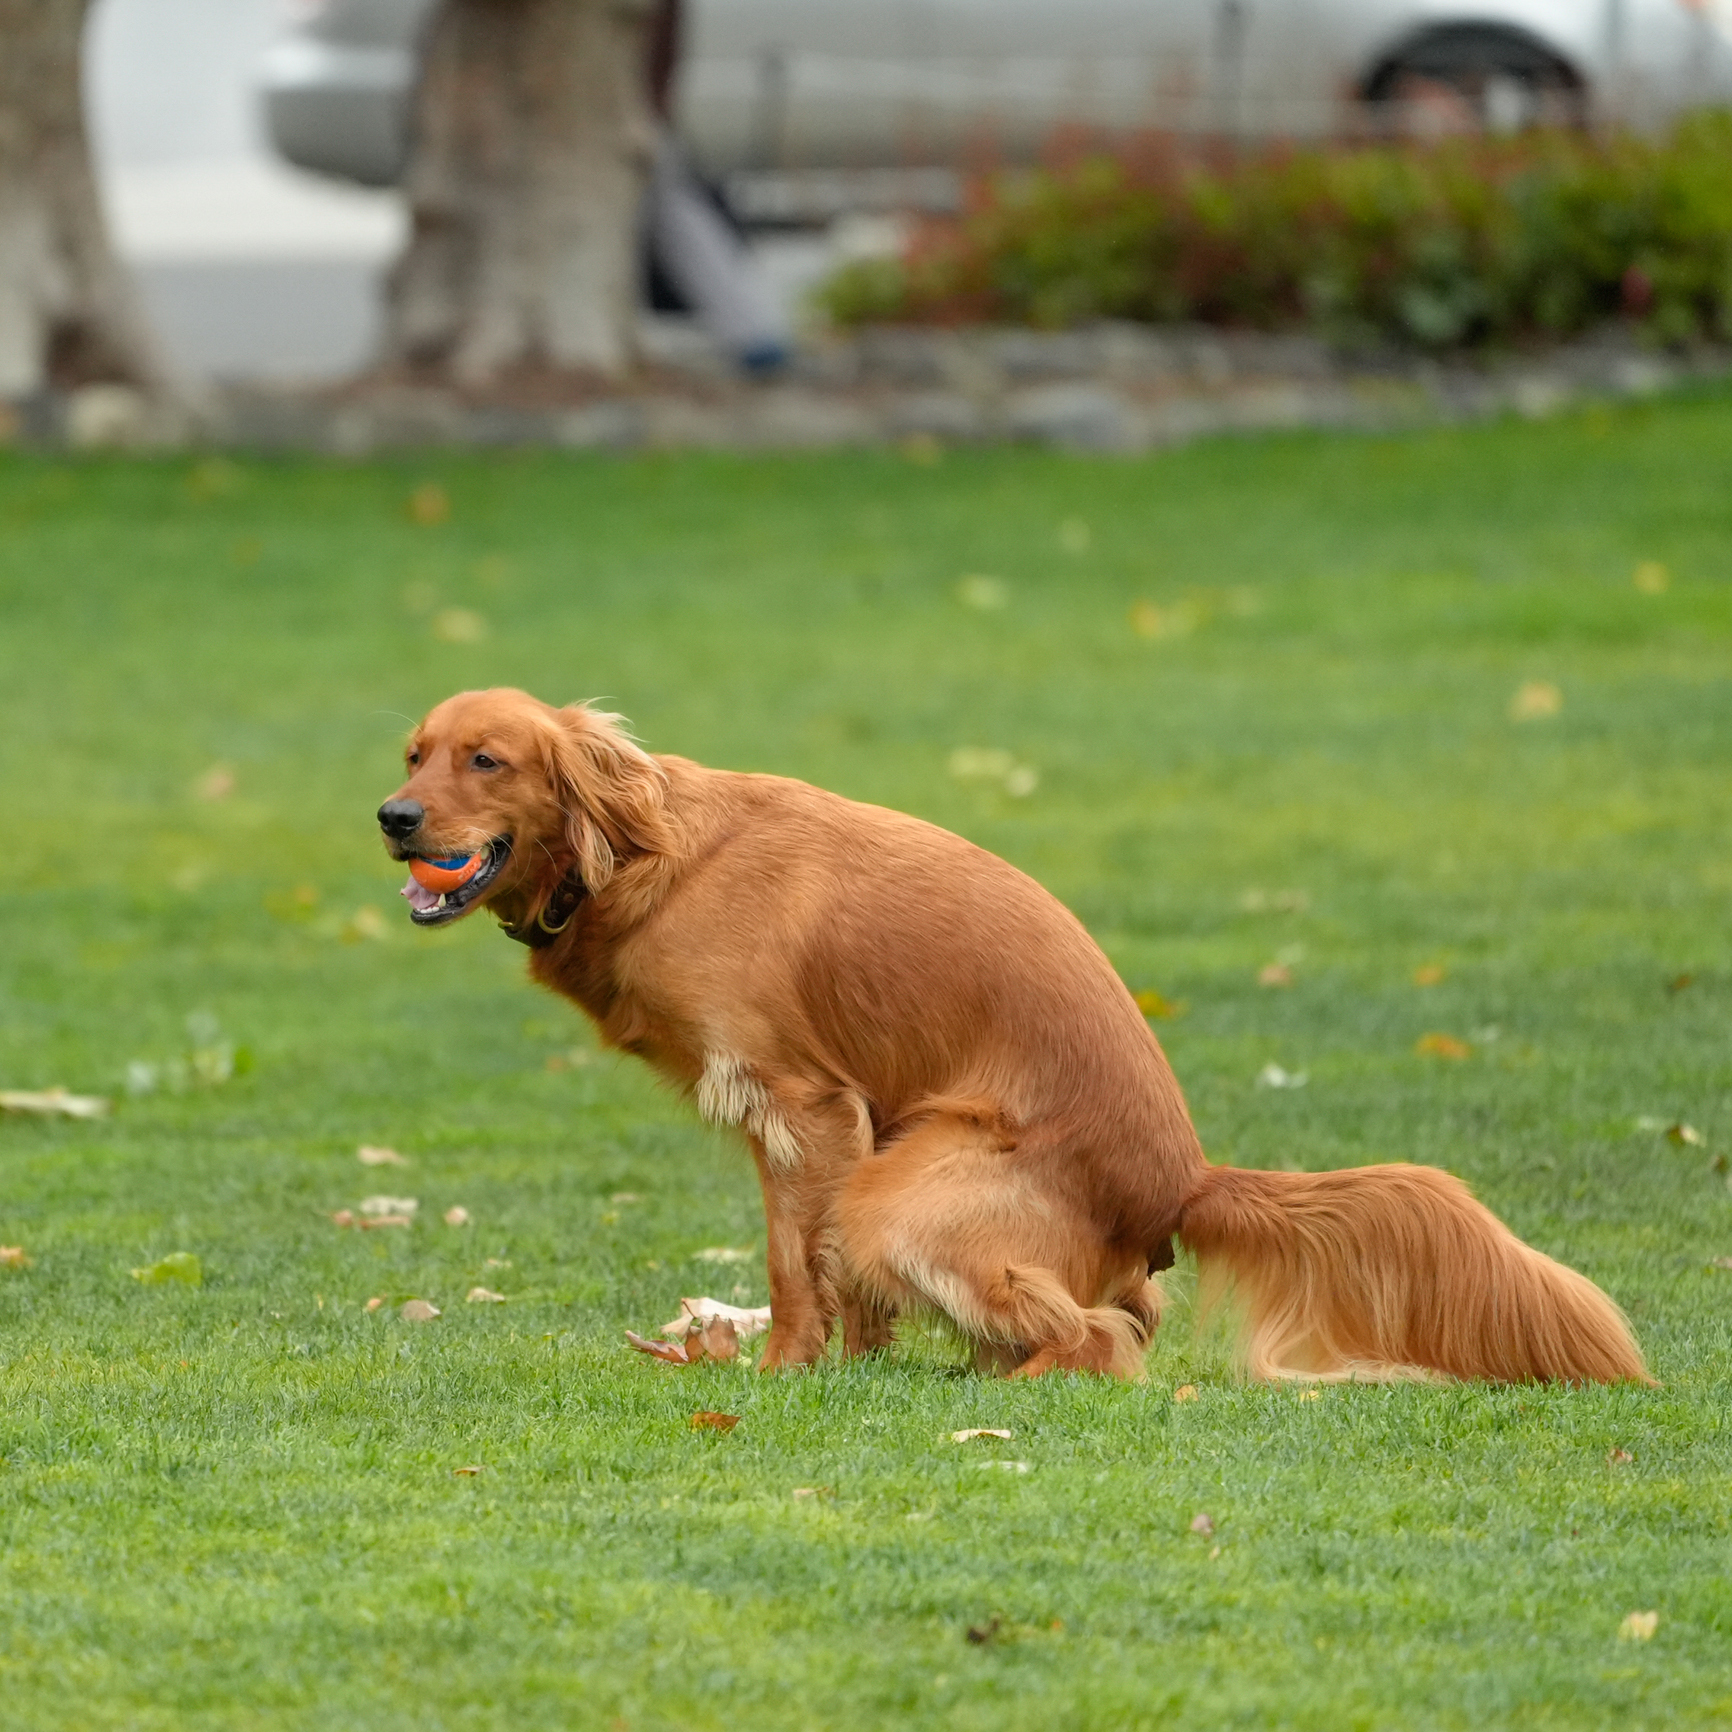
<point>952,1100</point>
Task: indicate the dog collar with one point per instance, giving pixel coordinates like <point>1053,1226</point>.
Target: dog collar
<point>553,919</point>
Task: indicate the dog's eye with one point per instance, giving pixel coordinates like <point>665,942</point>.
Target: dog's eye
<point>481,761</point>
<point>414,758</point>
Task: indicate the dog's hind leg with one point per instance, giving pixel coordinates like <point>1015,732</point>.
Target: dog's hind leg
<point>943,1219</point>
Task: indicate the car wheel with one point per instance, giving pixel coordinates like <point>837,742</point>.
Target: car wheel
<point>1473,78</point>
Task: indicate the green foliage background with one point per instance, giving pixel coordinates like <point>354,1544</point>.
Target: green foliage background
<point>1467,241</point>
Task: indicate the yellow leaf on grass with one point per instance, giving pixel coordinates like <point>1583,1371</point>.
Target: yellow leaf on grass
<point>181,1266</point>
<point>418,1311</point>
<point>1638,1626</point>
<point>429,504</point>
<point>389,1205</point>
<point>217,783</point>
<point>1535,701</point>
<point>484,1296</point>
<point>470,1471</point>
<point>1429,974</point>
<point>459,625</point>
<point>1185,1392</point>
<point>1442,1046</point>
<point>52,1103</point>
<point>1683,1134</point>
<point>13,1257</point>
<point>1651,577</point>
<point>1155,1004</point>
<point>714,1421</point>
<point>987,594</point>
<point>1202,1523</point>
<point>1618,1458</point>
<point>457,1216</point>
<point>375,1304</point>
<point>1274,974</point>
<point>369,1156</point>
<point>980,1431</point>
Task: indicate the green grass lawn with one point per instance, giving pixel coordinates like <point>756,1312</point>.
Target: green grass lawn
<point>235,1505</point>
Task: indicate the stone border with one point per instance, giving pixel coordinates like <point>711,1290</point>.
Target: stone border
<point>1106,388</point>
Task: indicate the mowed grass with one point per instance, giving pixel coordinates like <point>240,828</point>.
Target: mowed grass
<point>236,1506</point>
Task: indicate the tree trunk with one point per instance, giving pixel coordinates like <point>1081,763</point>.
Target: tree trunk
<point>530,144</point>
<point>67,312</point>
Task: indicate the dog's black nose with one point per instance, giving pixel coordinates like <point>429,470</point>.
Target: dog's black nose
<point>401,818</point>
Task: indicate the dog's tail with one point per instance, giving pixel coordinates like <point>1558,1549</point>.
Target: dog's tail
<point>1395,1272</point>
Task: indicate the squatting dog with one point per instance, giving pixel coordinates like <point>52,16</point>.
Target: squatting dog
<point>952,1101</point>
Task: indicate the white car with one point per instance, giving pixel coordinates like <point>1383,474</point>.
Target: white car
<point>794,103</point>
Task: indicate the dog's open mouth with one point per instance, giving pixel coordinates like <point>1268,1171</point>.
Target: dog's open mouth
<point>435,907</point>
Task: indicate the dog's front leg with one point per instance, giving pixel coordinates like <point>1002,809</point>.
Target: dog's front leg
<point>801,1305</point>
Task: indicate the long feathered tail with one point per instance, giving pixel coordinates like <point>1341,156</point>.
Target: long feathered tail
<point>1395,1272</point>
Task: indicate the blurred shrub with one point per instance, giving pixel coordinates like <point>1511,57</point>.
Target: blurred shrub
<point>1441,245</point>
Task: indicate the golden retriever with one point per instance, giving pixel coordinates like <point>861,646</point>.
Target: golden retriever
<point>952,1100</point>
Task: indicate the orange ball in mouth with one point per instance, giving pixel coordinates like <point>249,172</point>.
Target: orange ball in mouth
<point>446,874</point>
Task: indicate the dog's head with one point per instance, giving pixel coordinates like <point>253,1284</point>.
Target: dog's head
<point>538,792</point>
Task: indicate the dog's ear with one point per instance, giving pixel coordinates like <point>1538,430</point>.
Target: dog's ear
<point>613,793</point>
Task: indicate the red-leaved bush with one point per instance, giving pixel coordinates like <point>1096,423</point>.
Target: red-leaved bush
<point>1442,245</point>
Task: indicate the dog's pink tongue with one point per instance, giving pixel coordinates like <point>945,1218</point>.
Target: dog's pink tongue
<point>419,897</point>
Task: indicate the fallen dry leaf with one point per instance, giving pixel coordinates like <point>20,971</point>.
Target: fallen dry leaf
<point>1274,974</point>
<point>1618,1458</point>
<point>375,1304</point>
<point>1442,1046</point>
<point>1152,1003</point>
<point>52,1103</point>
<point>13,1257</point>
<point>1258,901</point>
<point>713,1338</point>
<point>1651,577</point>
<point>389,1205</point>
<point>813,1491</point>
<point>1638,1626</point>
<point>1007,1466</point>
<point>987,594</point>
<point>1683,1134</point>
<point>1185,1392</point>
<point>1202,1523</point>
<point>671,1352</point>
<point>721,1254</point>
<point>497,1263</point>
<point>1429,975</point>
<point>714,1421</point>
<point>1214,1552</point>
<point>348,1218</point>
<point>747,1320</point>
<point>1272,1076</point>
<point>1679,981</point>
<point>626,1197</point>
<point>981,1634</point>
<point>217,783</point>
<point>470,1471</point>
<point>980,1431</point>
<point>483,1296</point>
<point>457,1217</point>
<point>459,625</point>
<point>1309,1395</point>
<point>418,1311</point>
<point>1720,1262</point>
<point>429,504</point>
<point>369,1156</point>
<point>1535,701</point>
